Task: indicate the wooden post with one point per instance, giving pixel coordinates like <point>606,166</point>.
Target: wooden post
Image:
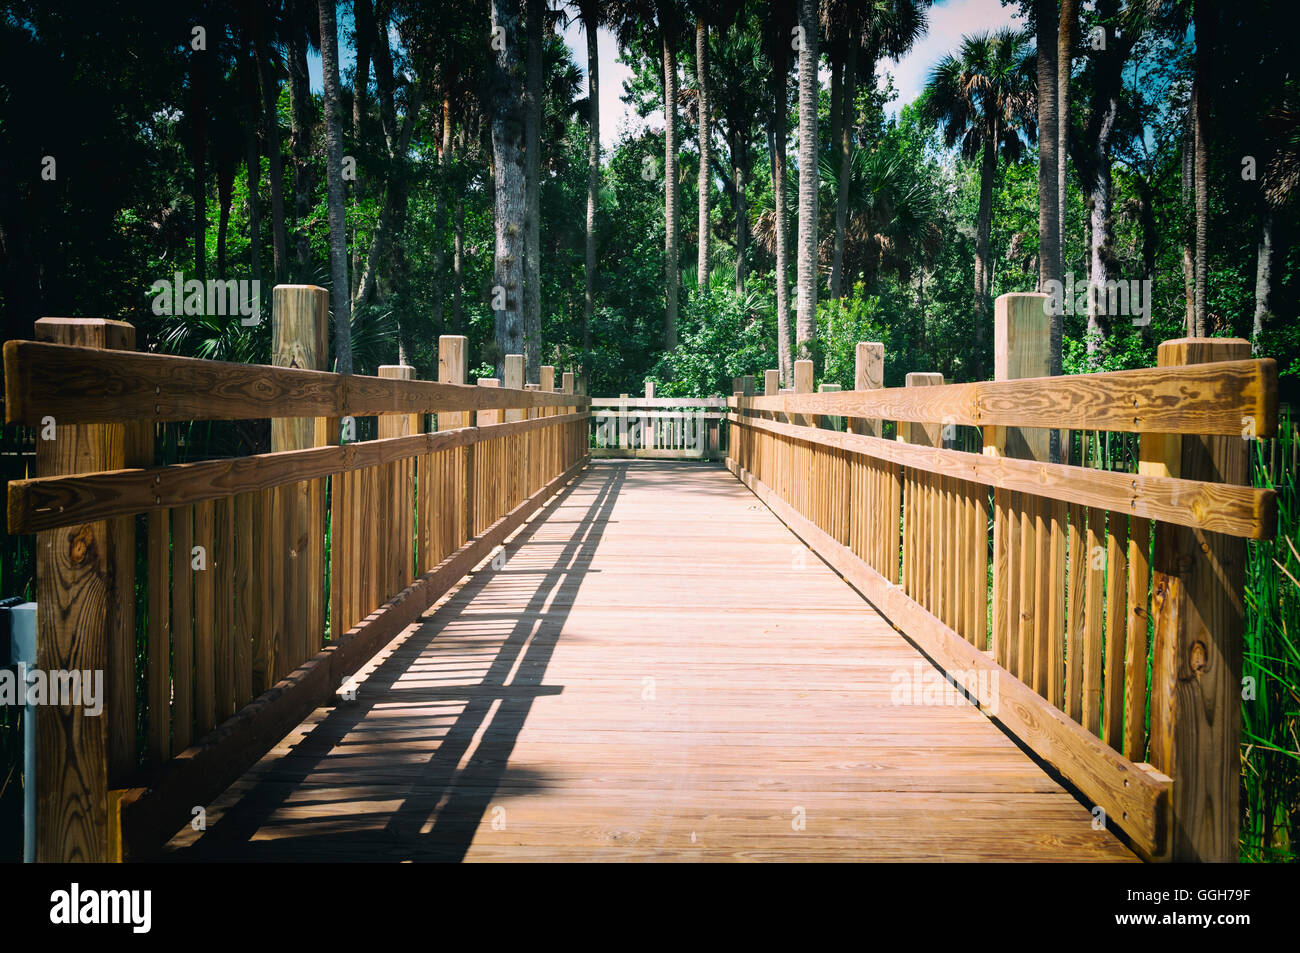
<point>514,381</point>
<point>299,338</point>
<point>747,385</point>
<point>488,417</point>
<point>650,390</point>
<point>868,374</point>
<point>1021,348</point>
<point>85,619</point>
<point>566,387</point>
<point>398,502</point>
<point>803,384</point>
<point>453,352</point>
<point>833,421</point>
<point>927,434</point>
<point>1196,665</point>
<point>771,383</point>
<point>622,422</point>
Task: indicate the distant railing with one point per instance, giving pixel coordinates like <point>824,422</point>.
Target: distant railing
<point>675,428</point>
<point>1036,584</point>
<point>270,578</point>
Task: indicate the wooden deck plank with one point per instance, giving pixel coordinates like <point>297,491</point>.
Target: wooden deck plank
<point>658,672</point>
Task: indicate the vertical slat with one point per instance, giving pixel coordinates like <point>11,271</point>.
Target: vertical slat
<point>1026,609</point>
<point>1116,626</point>
<point>205,704</point>
<point>1077,581</point>
<point>248,607</point>
<point>266,583</point>
<point>160,715</point>
<point>1056,605</point>
<point>182,522</point>
<point>223,564</point>
<point>1135,661</point>
<point>1093,633</point>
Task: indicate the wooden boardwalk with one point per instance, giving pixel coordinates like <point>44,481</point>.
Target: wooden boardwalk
<point>659,671</point>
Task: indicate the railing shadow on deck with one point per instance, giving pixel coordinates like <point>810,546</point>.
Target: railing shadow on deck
<point>444,803</point>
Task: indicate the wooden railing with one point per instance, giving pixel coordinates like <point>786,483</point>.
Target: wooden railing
<point>270,578</point>
<point>675,428</point>
<point>1097,576</point>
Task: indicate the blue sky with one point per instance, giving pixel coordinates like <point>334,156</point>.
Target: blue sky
<point>949,21</point>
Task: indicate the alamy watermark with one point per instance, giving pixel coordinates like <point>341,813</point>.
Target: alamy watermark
<point>213,297</point>
<point>1128,298</point>
<point>66,689</point>
<point>926,686</point>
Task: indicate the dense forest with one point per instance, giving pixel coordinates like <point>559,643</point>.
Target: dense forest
<point>452,180</point>
<point>444,168</point>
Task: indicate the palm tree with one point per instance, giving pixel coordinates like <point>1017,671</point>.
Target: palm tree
<point>706,136</point>
<point>340,305</point>
<point>779,19</point>
<point>506,108</point>
<point>983,98</point>
<point>806,319</point>
<point>532,189</point>
<point>592,15</point>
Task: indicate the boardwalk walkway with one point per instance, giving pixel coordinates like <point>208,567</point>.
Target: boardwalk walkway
<point>659,670</point>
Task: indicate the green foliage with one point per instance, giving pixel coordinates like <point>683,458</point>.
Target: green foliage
<point>723,335</point>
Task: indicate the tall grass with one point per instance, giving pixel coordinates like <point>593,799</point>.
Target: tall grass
<point>1270,722</point>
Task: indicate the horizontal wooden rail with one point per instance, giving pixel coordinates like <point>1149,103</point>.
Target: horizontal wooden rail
<point>80,385</point>
<point>1219,507</point>
<point>43,503</point>
<point>638,403</point>
<point>1223,398</point>
<point>1135,795</point>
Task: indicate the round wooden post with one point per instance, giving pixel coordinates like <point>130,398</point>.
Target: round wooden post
<point>1196,665</point>
<point>85,622</point>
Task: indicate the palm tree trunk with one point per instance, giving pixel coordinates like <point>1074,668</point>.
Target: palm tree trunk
<point>670,185</point>
<point>363,20</point>
<point>532,190</point>
<point>1099,195</point>
<point>1064,49</point>
<point>341,305</point>
<point>254,165</point>
<point>271,123</point>
<point>507,113</point>
<point>300,133</point>
<point>1189,229</point>
<point>845,146</point>
<point>1264,271</point>
<point>806,320</point>
<point>198,189</point>
<point>776,146</point>
<point>1200,127</point>
<point>593,180</point>
<point>983,228</point>
<point>705,106</point>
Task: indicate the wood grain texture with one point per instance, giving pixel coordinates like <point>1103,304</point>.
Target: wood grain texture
<point>579,704</point>
<point>81,385</point>
<point>1227,508</point>
<point>1204,399</point>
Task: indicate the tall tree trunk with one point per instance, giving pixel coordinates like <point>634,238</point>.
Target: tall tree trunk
<point>702,77</point>
<point>740,177</point>
<point>1068,24</point>
<point>533,189</point>
<point>983,228</point>
<point>300,133</point>
<point>440,198</point>
<point>669,44</point>
<point>593,181</point>
<point>806,321</point>
<point>226,163</point>
<point>1189,227</point>
<point>364,23</point>
<point>341,305</point>
<point>1099,203</point>
<point>457,271</point>
<point>785,361</point>
<point>253,161</point>
<point>506,108</point>
<point>1049,212</point>
<point>1200,127</point>
<point>845,147</point>
<point>271,124</point>
<point>1264,271</point>
<point>198,185</point>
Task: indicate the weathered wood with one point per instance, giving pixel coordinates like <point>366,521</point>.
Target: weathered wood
<point>1196,664</point>
<point>81,610</point>
<point>182,523</point>
<point>1204,399</point>
<point>159,648</point>
<point>80,385</point>
<point>1238,510</point>
<point>868,374</point>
